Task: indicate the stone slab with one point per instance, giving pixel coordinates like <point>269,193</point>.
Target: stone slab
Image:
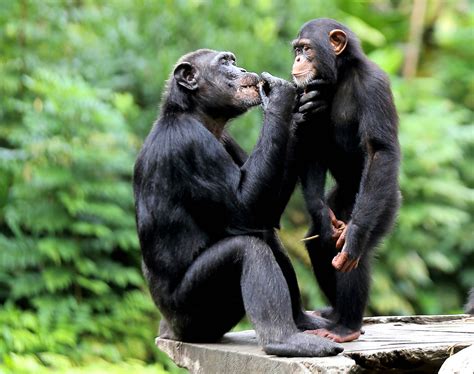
<point>411,344</point>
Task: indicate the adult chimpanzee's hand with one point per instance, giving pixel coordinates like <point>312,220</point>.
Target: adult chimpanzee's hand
<point>277,94</point>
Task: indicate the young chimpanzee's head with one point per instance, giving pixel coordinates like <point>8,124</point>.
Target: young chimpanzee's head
<point>321,48</point>
<point>210,82</point>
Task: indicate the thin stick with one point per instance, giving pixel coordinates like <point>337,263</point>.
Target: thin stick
<point>309,238</point>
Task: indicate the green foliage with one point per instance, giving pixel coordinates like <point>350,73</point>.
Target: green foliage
<point>79,87</point>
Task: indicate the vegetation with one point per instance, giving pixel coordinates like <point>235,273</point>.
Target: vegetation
<point>79,86</point>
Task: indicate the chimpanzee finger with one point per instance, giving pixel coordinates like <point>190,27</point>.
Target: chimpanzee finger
<point>319,108</point>
<point>315,83</point>
<point>336,261</point>
<point>342,240</point>
<point>353,265</point>
<point>308,96</point>
<point>345,266</point>
<point>268,79</point>
<point>299,118</point>
<point>332,216</point>
<point>339,260</point>
<point>313,106</point>
<point>263,94</point>
<point>272,80</point>
<point>336,233</point>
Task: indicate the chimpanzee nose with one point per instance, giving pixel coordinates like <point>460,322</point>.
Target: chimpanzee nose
<point>298,59</point>
<point>243,70</point>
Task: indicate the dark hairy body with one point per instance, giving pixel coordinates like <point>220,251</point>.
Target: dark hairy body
<point>350,130</point>
<point>205,214</point>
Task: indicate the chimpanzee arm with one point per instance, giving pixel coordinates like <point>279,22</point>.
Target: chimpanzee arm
<point>262,174</point>
<point>239,198</point>
<point>311,102</point>
<point>378,197</point>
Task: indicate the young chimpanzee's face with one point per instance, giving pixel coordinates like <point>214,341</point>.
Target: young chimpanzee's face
<point>317,47</point>
<point>304,66</point>
<point>219,87</point>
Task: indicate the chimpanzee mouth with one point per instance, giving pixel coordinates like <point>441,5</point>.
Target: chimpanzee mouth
<point>249,95</point>
<point>249,81</point>
<point>247,90</point>
<point>302,79</point>
<point>248,87</point>
<point>300,74</point>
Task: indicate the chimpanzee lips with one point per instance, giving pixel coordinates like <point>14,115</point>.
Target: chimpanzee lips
<point>248,89</point>
<point>302,73</point>
<point>250,80</point>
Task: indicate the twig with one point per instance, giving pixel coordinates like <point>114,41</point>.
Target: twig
<point>309,238</point>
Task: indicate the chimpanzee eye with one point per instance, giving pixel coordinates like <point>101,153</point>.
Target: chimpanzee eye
<point>297,51</point>
<point>306,48</point>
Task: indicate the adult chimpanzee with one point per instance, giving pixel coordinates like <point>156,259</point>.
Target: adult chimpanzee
<point>202,207</point>
<point>351,131</point>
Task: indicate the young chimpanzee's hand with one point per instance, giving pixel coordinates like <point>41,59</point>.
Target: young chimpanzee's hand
<point>315,99</point>
<point>350,255</point>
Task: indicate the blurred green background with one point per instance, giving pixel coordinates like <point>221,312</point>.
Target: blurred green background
<point>80,83</point>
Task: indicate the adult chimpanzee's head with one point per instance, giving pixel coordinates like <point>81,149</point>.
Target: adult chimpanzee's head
<point>209,82</point>
<point>321,48</point>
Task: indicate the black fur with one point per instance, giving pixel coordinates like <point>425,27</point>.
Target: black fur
<point>354,138</point>
<point>205,213</point>
<point>469,307</point>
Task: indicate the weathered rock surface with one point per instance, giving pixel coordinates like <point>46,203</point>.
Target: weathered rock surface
<point>414,344</point>
<point>460,363</point>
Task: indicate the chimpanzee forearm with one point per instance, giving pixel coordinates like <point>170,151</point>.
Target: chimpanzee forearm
<point>291,172</point>
<point>262,174</point>
<point>377,201</point>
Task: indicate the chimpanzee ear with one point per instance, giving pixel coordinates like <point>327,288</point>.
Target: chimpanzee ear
<point>338,39</point>
<point>186,76</point>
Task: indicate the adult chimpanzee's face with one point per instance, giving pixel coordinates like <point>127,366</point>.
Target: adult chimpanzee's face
<point>228,84</point>
<point>218,86</point>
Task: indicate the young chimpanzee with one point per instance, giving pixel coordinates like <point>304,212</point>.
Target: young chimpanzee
<point>208,242</point>
<point>350,129</point>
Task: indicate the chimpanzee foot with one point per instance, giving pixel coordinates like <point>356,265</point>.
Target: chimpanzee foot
<point>338,333</point>
<point>303,345</point>
<point>308,321</point>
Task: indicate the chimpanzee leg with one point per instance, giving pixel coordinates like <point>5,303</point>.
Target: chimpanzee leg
<point>346,292</point>
<point>341,203</point>
<point>303,320</point>
<point>250,263</point>
<point>353,294</point>
<point>353,288</point>
<point>321,251</point>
